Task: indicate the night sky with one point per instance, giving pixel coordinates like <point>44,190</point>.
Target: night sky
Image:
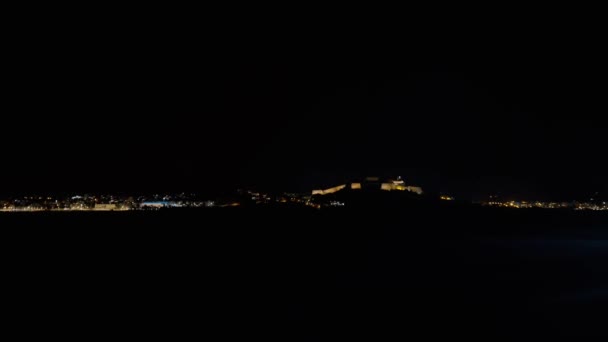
<point>147,110</point>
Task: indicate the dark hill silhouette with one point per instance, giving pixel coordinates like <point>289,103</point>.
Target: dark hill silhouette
<point>377,199</point>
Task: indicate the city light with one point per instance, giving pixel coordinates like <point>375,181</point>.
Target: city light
<point>317,199</point>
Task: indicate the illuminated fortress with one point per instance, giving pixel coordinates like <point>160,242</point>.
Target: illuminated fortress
<point>372,183</point>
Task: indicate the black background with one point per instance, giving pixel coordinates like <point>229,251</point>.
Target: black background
<point>173,102</point>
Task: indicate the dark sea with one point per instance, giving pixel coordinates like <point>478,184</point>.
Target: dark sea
<point>420,273</point>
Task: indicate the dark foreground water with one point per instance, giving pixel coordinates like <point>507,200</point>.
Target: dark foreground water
<point>422,274</point>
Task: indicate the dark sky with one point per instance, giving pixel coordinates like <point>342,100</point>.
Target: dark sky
<point>202,108</point>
